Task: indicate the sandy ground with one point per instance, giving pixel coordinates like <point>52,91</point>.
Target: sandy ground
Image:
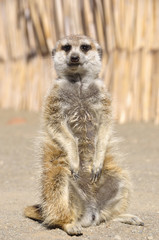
<point>18,177</point>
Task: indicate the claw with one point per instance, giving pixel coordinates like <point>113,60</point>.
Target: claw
<point>95,175</point>
<point>74,174</point>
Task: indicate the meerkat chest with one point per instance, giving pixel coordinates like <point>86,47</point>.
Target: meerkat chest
<point>82,119</point>
<point>81,111</point>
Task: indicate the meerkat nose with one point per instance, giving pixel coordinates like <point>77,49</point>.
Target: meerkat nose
<point>75,58</point>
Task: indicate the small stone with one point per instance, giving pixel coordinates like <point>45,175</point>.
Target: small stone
<point>15,121</point>
<point>117,237</point>
<point>150,238</point>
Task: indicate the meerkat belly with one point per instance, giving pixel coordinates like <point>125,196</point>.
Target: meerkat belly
<point>82,121</point>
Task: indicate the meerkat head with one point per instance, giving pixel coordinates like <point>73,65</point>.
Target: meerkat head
<point>77,54</point>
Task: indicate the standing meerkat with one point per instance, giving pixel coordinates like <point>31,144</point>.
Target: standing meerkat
<point>81,183</point>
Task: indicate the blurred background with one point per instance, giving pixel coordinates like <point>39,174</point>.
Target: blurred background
<point>128,31</point>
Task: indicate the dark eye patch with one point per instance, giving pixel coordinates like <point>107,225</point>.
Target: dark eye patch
<point>85,47</point>
<point>66,47</point>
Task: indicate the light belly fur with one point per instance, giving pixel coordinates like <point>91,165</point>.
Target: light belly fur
<point>82,122</point>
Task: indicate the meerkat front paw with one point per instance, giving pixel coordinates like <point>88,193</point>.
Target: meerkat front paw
<point>96,173</point>
<point>74,168</point>
<point>75,174</point>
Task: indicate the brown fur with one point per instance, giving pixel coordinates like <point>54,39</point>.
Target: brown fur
<point>81,182</point>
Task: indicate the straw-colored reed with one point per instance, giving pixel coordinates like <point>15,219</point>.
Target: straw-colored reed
<point>127,30</point>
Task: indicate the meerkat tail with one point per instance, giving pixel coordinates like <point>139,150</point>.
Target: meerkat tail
<point>33,212</point>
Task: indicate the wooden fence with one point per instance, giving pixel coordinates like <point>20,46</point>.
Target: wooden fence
<point>128,31</point>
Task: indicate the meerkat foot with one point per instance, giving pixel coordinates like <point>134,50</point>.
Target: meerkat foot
<point>73,229</point>
<point>129,219</point>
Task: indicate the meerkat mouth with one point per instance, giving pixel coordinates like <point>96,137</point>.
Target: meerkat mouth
<point>74,64</point>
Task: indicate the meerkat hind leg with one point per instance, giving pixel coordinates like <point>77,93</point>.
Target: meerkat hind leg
<point>112,199</point>
<point>129,219</point>
<point>58,208</point>
<point>112,194</point>
<point>107,197</point>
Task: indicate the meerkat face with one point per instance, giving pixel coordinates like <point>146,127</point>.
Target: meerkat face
<point>77,54</point>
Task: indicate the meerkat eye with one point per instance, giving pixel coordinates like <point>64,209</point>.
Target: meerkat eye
<point>85,47</point>
<point>66,48</point>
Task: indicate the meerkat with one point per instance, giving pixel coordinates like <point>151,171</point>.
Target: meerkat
<point>81,183</point>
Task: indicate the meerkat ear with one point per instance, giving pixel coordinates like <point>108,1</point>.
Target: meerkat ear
<point>53,52</point>
<point>100,51</point>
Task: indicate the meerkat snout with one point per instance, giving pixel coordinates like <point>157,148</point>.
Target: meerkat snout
<point>74,58</point>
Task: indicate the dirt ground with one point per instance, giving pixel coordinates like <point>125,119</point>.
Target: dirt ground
<point>18,188</point>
